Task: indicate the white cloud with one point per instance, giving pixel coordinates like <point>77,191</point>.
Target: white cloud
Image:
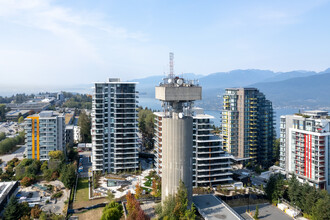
<point>74,48</point>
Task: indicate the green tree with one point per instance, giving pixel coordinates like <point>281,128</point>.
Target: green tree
<point>310,195</point>
<point>80,101</point>
<point>44,166</point>
<point>8,144</point>
<point>112,211</point>
<point>256,214</point>
<point>146,120</point>
<point>294,190</point>
<point>110,196</point>
<point>175,207</point>
<point>12,211</point>
<point>181,200</point>
<point>84,122</point>
<point>2,112</point>
<point>138,190</point>
<point>27,181</point>
<point>43,216</point>
<point>168,207</point>
<point>190,214</point>
<point>275,188</point>
<point>56,155</point>
<point>2,136</point>
<point>321,210</point>
<point>35,212</point>
<point>68,175</point>
<point>25,209</point>
<point>276,150</point>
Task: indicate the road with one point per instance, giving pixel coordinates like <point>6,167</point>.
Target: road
<point>85,162</point>
<point>7,157</point>
<point>266,212</point>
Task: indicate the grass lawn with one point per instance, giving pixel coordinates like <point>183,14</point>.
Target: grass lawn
<point>82,198</point>
<point>82,190</point>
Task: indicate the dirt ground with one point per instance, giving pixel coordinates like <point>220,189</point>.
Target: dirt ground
<point>91,214</point>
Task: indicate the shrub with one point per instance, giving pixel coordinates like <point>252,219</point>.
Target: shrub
<point>113,211</point>
<point>57,195</point>
<point>55,175</point>
<point>27,181</point>
<point>35,212</point>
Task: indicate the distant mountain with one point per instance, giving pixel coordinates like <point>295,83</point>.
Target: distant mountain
<point>311,91</point>
<point>296,88</point>
<point>289,75</point>
<point>235,78</point>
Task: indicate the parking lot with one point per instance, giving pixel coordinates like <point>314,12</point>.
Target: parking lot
<point>86,163</point>
<point>7,157</point>
<point>10,128</point>
<point>266,212</point>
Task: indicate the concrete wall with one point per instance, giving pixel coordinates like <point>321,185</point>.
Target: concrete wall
<point>177,140</point>
<point>178,93</point>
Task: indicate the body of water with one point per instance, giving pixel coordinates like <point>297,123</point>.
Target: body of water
<point>155,104</point>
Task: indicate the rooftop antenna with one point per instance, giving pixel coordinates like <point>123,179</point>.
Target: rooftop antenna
<point>171,75</point>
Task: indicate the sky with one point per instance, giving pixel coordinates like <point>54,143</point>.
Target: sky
<point>49,43</point>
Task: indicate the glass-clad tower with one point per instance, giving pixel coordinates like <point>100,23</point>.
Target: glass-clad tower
<point>248,125</point>
<point>114,126</point>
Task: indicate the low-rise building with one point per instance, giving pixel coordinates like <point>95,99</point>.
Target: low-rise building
<point>7,189</point>
<point>304,147</point>
<point>33,105</point>
<point>15,114</point>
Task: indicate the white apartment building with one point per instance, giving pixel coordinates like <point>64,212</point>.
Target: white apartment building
<point>114,126</point>
<point>211,164</point>
<point>76,134</point>
<point>304,147</point>
<point>44,132</point>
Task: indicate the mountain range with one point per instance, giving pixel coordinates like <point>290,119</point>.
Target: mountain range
<point>300,88</point>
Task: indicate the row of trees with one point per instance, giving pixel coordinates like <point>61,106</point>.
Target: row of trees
<point>2,136</point>
<point>8,175</point>
<point>146,126</point>
<point>84,122</point>
<point>80,101</point>
<point>314,203</point>
<point>176,206</point>
<point>18,98</point>
<point>8,144</point>
<point>3,111</point>
<point>28,170</point>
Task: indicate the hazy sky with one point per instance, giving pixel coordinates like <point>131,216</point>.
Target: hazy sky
<point>67,42</point>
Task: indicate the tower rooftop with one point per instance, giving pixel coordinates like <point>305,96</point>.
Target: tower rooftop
<point>178,90</point>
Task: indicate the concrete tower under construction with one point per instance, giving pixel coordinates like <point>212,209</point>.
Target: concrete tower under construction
<point>177,96</point>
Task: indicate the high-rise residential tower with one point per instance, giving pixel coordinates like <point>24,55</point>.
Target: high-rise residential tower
<point>44,132</point>
<point>211,165</point>
<point>248,125</point>
<point>305,147</point>
<point>114,126</point>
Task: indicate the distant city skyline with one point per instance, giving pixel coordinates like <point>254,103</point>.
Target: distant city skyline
<point>62,43</point>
